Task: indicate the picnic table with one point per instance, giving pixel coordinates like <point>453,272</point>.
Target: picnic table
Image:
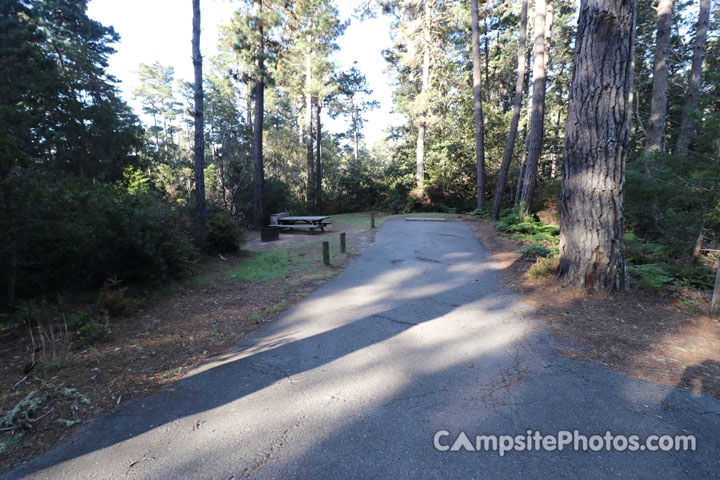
<point>285,221</point>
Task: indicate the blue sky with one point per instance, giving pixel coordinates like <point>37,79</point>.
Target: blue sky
<point>160,30</point>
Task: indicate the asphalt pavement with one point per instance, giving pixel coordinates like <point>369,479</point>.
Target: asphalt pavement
<point>414,337</point>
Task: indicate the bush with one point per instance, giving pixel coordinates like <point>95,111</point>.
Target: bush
<point>543,267</point>
<point>71,234</point>
<point>114,299</point>
<point>224,234</point>
<point>653,275</point>
<point>90,326</point>
<point>536,251</point>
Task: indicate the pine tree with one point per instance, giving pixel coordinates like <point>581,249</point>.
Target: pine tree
<point>687,125</point>
<point>656,124</point>
<point>478,107</point>
<point>597,132</point>
<point>541,53</point>
<point>517,106</point>
<point>199,163</point>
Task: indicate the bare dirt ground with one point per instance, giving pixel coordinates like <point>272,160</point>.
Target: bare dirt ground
<point>661,338</point>
<point>152,349</point>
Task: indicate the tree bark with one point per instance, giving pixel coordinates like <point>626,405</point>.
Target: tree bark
<point>597,135</point>
<point>523,161</point>
<point>514,122</point>
<point>687,125</point>
<point>715,302</point>
<point>259,173</point>
<point>422,120</point>
<point>537,114</point>
<point>355,132</point>
<point>478,108</point>
<point>699,243</point>
<point>308,125</point>
<point>318,155</point>
<point>655,132</point>
<point>201,208</point>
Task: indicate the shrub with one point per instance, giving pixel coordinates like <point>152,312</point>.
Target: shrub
<point>72,234</point>
<point>543,267</point>
<point>90,326</point>
<point>114,299</point>
<point>653,275</point>
<point>224,234</point>
<point>536,251</point>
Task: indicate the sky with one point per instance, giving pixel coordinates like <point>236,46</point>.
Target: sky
<point>161,30</point>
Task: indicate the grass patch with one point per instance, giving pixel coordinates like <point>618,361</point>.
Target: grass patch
<point>167,374</point>
<point>264,266</point>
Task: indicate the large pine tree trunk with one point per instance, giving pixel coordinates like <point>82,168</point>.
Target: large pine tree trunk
<point>537,114</point>
<point>478,108</point>
<point>597,133</point>
<point>422,117</point>
<point>658,104</point>
<point>521,172</point>
<point>687,125</point>
<point>308,126</point>
<point>517,106</point>
<point>318,156</point>
<point>259,173</point>
<point>201,210</point>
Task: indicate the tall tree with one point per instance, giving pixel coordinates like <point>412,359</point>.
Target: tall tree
<point>477,105</point>
<point>155,91</point>
<point>517,106</point>
<point>318,154</point>
<point>256,47</point>
<point>353,97</point>
<point>309,118</point>
<point>259,117</point>
<point>655,132</point>
<point>597,133</point>
<point>543,29</point>
<point>199,157</point>
<point>687,125</point>
<point>422,115</point>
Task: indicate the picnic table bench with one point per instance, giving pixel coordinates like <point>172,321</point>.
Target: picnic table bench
<point>285,221</point>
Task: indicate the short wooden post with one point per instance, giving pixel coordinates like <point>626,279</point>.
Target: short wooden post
<point>715,303</point>
<point>343,247</point>
<point>326,253</point>
<point>372,219</point>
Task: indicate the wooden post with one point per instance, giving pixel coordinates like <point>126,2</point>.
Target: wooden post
<point>715,303</point>
<point>343,247</point>
<point>372,219</point>
<point>326,253</point>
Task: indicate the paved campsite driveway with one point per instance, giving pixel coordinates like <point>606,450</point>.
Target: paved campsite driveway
<point>415,336</point>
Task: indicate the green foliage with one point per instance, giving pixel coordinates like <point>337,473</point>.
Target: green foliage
<point>653,275</point>
<point>535,250</point>
<point>114,300</point>
<point>224,234</point>
<point>656,265</point>
<point>90,326</point>
<point>639,251</point>
<point>543,267</point>
<point>528,229</point>
<point>73,234</point>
